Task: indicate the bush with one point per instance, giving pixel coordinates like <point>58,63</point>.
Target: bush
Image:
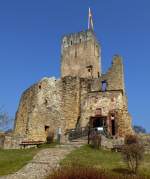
<point>78,172</point>
<point>131,139</point>
<point>139,129</point>
<point>133,153</point>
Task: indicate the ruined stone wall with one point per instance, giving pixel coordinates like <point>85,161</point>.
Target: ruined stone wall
<point>115,75</point>
<point>52,103</point>
<point>106,101</point>
<point>109,103</point>
<point>40,106</point>
<point>71,101</point>
<point>80,55</point>
<point>113,99</point>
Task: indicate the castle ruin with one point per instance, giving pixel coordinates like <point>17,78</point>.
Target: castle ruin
<point>83,95</point>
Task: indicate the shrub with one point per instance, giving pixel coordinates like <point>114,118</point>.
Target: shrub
<point>133,152</point>
<point>78,172</point>
<point>131,139</point>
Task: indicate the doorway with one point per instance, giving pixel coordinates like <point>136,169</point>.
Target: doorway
<point>46,130</point>
<point>98,122</point>
<point>113,127</point>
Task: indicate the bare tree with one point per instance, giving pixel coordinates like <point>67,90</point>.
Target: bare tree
<point>133,152</point>
<point>4,119</point>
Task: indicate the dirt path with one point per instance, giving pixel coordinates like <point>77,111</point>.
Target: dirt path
<point>44,162</point>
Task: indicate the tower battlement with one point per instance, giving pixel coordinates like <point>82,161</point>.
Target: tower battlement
<point>77,38</point>
<point>81,55</point>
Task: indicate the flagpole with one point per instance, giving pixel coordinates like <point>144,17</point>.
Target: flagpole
<point>89,19</point>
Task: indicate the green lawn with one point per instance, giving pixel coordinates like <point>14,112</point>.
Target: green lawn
<point>12,160</point>
<point>109,161</point>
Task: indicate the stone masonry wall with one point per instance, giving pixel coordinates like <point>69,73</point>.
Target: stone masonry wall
<point>115,75</point>
<point>40,106</point>
<point>80,55</point>
<point>71,101</point>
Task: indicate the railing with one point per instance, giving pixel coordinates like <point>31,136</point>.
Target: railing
<point>86,132</point>
<point>77,133</point>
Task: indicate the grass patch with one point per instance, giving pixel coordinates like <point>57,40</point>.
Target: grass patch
<point>13,160</point>
<point>87,156</point>
<point>102,159</point>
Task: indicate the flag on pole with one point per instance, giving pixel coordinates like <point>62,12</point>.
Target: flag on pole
<point>90,20</point>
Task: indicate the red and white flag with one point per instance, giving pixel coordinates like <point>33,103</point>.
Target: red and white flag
<point>90,20</point>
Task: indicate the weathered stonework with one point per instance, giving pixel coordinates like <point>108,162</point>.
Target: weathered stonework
<point>83,96</point>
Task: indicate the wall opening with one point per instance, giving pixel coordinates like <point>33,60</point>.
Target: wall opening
<point>71,42</point>
<point>46,128</point>
<point>104,86</point>
<point>98,74</point>
<point>98,122</point>
<point>113,125</point>
<point>40,86</point>
<point>113,128</point>
<point>90,70</point>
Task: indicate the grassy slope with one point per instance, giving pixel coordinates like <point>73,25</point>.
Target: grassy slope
<point>86,156</point>
<point>12,160</point>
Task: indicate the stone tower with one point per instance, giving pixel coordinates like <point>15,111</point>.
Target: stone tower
<point>81,55</point>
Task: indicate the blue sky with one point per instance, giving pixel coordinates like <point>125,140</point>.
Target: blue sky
<point>30,36</point>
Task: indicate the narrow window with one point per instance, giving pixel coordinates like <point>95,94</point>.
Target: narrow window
<point>40,87</point>
<point>104,86</point>
<point>98,75</point>
<point>71,42</point>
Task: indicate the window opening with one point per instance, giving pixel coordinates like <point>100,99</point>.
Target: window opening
<point>104,86</point>
<point>46,128</point>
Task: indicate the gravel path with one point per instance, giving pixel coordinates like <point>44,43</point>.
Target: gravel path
<point>44,162</point>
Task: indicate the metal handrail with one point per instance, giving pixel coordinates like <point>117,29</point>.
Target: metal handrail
<point>85,131</point>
